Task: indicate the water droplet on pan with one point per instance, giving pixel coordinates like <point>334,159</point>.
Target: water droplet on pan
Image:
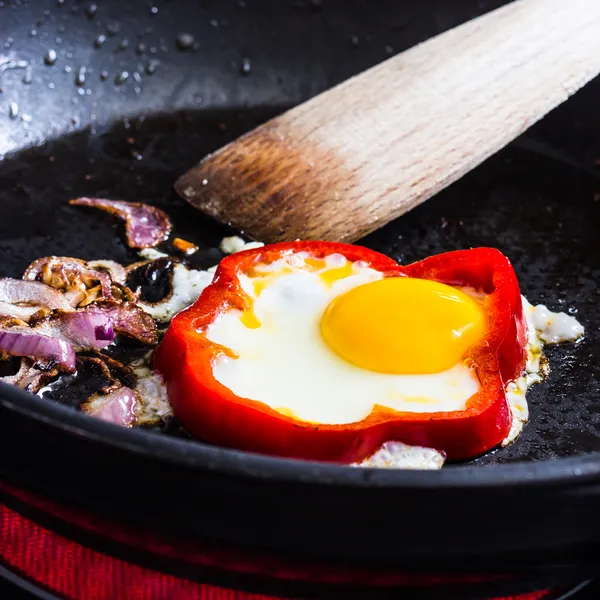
<point>13,110</point>
<point>121,78</point>
<point>80,78</point>
<point>245,66</point>
<point>184,41</point>
<point>91,10</point>
<point>50,57</point>
<point>99,41</point>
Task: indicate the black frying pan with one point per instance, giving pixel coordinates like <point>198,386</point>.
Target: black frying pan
<point>531,507</point>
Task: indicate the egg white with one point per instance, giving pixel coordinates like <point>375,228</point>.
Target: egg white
<point>286,364</point>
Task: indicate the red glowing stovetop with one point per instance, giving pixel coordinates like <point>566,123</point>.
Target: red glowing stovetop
<point>48,550</point>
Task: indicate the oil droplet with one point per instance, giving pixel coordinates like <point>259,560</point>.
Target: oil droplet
<point>184,41</point>
<point>154,10</point>
<point>99,41</point>
<point>103,75</point>
<point>141,48</point>
<point>13,110</point>
<point>354,41</point>
<point>122,77</point>
<point>80,78</point>
<point>151,67</point>
<point>137,77</point>
<point>245,66</point>
<point>91,10</point>
<point>124,44</point>
<point>50,57</point>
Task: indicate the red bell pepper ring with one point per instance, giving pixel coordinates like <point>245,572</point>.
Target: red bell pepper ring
<point>212,412</point>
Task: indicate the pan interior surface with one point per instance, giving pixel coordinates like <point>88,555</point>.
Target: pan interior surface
<point>538,211</point>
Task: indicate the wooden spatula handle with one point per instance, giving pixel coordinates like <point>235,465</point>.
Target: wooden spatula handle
<point>361,154</point>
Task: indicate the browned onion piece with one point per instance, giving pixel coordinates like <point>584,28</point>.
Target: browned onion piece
<point>145,226</point>
<point>24,313</point>
<point>29,377</point>
<point>17,291</point>
<point>116,271</point>
<point>71,275</point>
<point>56,338</point>
<point>129,319</point>
<point>118,407</point>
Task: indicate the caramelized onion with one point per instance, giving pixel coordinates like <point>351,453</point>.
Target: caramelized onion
<point>145,226</point>
<point>29,377</point>
<point>56,338</point>
<point>118,407</point>
<point>70,275</point>
<point>128,319</point>
<point>17,291</point>
<point>116,271</point>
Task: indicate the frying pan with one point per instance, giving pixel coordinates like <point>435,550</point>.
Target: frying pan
<point>530,507</point>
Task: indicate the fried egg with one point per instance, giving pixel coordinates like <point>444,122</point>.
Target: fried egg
<point>328,340</point>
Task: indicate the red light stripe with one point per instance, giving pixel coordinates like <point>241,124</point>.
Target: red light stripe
<point>211,555</point>
<point>76,572</point>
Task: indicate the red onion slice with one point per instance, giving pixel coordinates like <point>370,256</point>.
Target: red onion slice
<point>29,377</point>
<point>82,329</point>
<point>56,338</point>
<point>13,291</point>
<point>118,407</point>
<point>21,342</point>
<point>24,313</point>
<point>129,319</point>
<point>69,274</point>
<point>145,226</point>
<point>116,271</point>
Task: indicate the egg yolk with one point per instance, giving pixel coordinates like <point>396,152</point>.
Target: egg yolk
<point>403,325</point>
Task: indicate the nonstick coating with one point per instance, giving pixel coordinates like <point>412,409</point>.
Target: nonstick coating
<point>537,201</point>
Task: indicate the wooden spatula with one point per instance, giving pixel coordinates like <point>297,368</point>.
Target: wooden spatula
<point>361,154</point>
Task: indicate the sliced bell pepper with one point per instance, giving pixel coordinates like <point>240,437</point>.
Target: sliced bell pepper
<point>212,412</point>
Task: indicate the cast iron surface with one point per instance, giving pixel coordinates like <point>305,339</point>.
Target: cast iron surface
<point>536,201</point>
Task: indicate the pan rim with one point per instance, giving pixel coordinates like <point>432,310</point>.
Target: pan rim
<point>197,455</point>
